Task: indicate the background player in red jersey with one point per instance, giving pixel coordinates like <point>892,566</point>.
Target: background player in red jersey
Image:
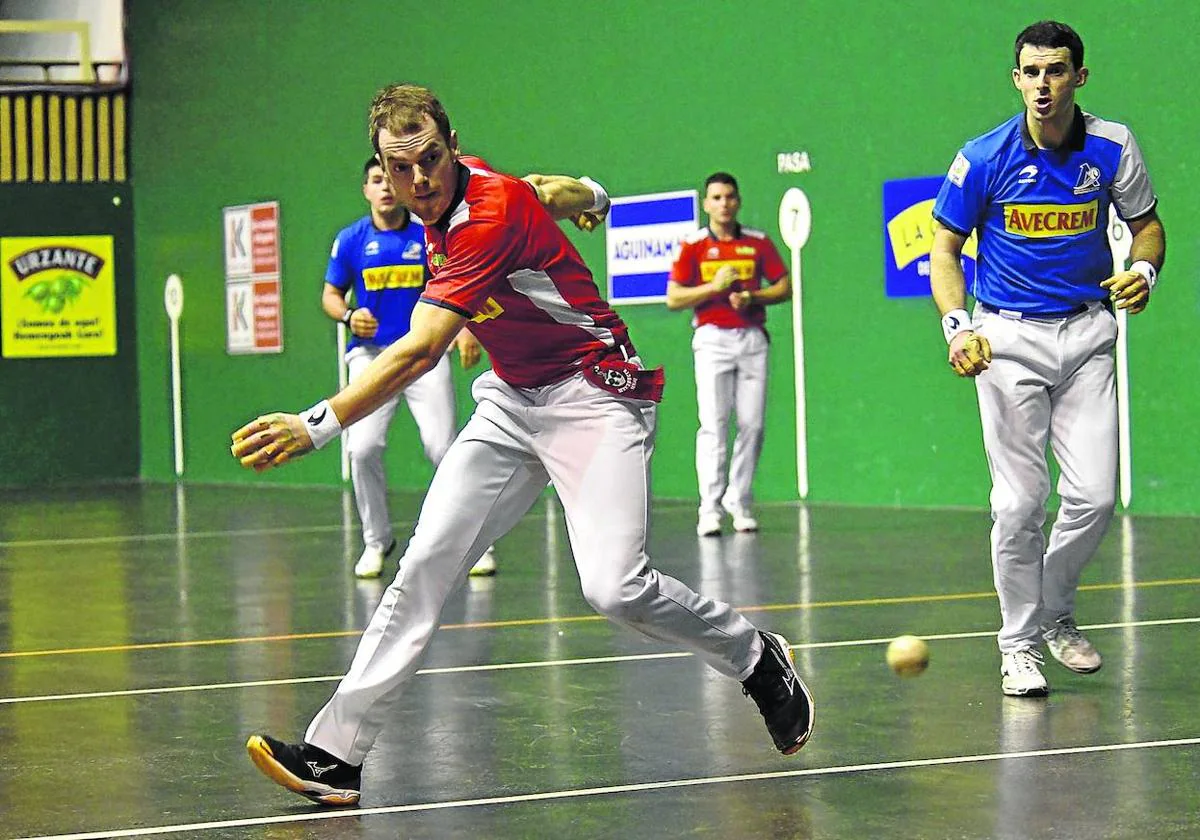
<point>566,401</point>
<point>719,273</point>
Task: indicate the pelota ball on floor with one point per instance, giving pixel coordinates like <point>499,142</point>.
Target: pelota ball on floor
<point>908,656</point>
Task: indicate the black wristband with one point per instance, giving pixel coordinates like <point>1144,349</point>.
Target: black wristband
<point>346,317</point>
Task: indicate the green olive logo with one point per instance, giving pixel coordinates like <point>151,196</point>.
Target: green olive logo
<point>54,293</point>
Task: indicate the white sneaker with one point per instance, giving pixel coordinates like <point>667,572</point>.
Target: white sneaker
<point>485,566</point>
<point>709,525</point>
<point>1022,675</point>
<point>370,564</point>
<point>1069,647</point>
<point>744,523</point>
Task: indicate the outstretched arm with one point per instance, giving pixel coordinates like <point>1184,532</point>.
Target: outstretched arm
<point>581,200</point>
<point>274,439</point>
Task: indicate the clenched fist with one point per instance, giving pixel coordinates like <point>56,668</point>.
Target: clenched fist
<point>970,353</point>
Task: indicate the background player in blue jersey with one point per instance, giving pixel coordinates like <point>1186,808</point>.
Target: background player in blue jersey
<point>1040,342</point>
<point>381,259</point>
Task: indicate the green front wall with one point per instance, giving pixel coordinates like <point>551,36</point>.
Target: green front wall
<point>238,102</point>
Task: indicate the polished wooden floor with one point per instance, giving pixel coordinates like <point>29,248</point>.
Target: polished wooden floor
<point>146,630</point>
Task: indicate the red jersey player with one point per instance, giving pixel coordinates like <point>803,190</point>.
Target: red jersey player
<point>567,401</point>
<point>522,285</point>
<point>719,271</point>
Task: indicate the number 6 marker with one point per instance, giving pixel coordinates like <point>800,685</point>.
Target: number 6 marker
<point>1120,241</point>
<point>173,301</point>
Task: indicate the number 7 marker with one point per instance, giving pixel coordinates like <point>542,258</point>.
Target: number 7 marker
<point>795,224</point>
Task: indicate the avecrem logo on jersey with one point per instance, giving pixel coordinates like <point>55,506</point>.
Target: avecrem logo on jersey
<point>44,259</point>
<point>1041,221</point>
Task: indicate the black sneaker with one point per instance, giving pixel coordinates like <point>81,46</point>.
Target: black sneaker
<point>782,697</point>
<point>306,770</point>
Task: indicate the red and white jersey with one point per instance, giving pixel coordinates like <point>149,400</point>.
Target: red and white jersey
<point>752,255</point>
<point>498,258</point>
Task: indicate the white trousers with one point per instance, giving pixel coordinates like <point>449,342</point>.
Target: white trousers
<point>1049,382</point>
<point>731,379</point>
<point>431,401</point>
<point>596,449</point>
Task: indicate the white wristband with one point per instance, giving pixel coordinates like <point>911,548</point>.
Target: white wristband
<point>954,322</point>
<point>598,192</point>
<point>321,423</point>
<point>1144,268</point>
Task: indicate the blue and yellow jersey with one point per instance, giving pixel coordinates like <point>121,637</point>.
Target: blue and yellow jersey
<point>1042,215</point>
<point>387,271</point>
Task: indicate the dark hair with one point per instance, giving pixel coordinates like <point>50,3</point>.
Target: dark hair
<point>1050,33</point>
<point>721,178</point>
<point>371,163</point>
<point>401,108</point>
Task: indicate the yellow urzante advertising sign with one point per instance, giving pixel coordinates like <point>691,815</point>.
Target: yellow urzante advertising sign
<point>57,296</point>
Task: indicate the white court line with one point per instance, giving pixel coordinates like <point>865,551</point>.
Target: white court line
<point>671,504</point>
<point>398,525</point>
<point>174,535</point>
<point>609,790</point>
<point>549,663</point>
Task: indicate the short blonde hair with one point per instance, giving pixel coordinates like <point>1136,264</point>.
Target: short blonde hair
<point>402,108</point>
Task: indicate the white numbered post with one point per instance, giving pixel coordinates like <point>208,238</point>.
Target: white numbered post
<point>343,381</point>
<point>795,224</point>
<point>1120,241</point>
<point>173,301</point>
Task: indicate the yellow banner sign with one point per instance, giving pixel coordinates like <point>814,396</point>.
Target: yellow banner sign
<point>57,296</point>
<point>1040,221</point>
<point>910,233</point>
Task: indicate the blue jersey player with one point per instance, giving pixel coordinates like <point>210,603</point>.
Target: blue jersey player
<point>381,259</point>
<point>1040,343</point>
